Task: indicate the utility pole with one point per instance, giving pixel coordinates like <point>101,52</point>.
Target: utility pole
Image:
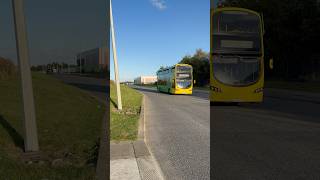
<point>29,119</point>
<point>115,60</point>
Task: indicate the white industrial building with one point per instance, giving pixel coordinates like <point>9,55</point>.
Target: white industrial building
<point>94,60</point>
<point>145,80</point>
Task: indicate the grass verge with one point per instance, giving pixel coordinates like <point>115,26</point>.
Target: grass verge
<point>298,86</point>
<point>124,124</point>
<point>68,121</point>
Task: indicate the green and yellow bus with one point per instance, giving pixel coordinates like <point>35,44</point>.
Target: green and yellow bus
<point>176,79</point>
<point>236,55</point>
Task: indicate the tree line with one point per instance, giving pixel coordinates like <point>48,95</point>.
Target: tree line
<point>292,36</point>
<point>200,65</point>
<point>291,39</point>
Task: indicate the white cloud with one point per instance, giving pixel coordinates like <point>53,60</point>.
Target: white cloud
<point>159,4</point>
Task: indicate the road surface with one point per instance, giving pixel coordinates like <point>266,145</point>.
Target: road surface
<point>178,133</point>
<point>278,139</point>
<point>95,86</point>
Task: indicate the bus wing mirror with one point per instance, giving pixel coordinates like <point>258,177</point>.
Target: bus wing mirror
<point>271,63</point>
<point>194,81</point>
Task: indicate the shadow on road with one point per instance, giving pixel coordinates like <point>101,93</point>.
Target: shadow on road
<point>224,104</point>
<point>201,94</point>
<point>90,87</point>
<point>302,111</point>
<point>145,89</point>
<point>85,83</point>
<point>198,94</point>
<point>15,136</point>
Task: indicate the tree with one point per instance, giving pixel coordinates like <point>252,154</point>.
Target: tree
<point>200,54</point>
<point>200,64</point>
<point>7,69</point>
<point>292,32</point>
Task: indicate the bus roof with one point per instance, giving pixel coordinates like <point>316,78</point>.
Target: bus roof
<point>220,9</point>
<point>171,67</point>
<point>183,65</point>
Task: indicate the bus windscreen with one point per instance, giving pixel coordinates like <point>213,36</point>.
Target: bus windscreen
<point>183,68</point>
<point>236,31</point>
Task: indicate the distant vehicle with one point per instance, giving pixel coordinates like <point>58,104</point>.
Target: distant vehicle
<point>177,79</point>
<point>236,55</point>
<point>49,69</point>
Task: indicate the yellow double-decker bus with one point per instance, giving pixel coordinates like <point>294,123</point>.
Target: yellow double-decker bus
<point>176,79</point>
<point>236,55</point>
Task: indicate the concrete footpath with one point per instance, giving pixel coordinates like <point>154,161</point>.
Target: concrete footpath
<point>132,159</point>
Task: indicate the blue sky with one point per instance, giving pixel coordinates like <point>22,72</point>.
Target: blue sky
<point>152,33</point>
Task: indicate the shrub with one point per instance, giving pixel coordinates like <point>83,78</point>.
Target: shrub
<point>7,69</point>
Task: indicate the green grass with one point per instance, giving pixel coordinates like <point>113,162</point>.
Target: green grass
<point>68,121</point>
<point>124,124</point>
<point>298,86</point>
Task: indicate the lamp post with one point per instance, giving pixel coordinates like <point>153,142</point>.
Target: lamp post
<point>29,119</point>
<point>115,59</point>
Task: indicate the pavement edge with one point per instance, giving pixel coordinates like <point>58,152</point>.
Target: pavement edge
<point>141,120</point>
<point>102,169</point>
<point>150,160</point>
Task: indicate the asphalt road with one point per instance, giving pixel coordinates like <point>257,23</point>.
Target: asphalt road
<point>97,87</point>
<point>178,133</point>
<point>278,139</point>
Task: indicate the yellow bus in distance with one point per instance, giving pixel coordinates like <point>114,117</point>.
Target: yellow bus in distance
<point>177,79</point>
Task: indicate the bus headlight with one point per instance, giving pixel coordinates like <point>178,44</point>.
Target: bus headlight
<point>216,89</point>
<point>259,90</point>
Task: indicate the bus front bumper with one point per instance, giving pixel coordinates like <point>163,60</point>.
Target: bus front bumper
<point>236,97</point>
<point>183,91</point>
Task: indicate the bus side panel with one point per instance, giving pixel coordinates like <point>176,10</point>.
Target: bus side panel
<point>164,82</point>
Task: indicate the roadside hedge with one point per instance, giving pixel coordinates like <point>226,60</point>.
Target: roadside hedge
<point>7,69</point>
